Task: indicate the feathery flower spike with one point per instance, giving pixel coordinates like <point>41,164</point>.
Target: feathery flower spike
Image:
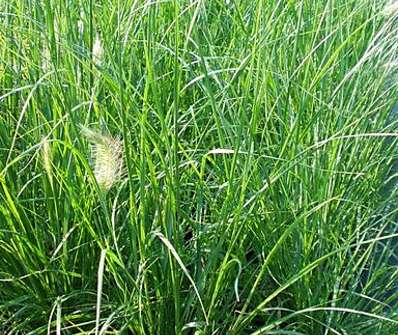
<point>391,8</point>
<point>46,59</point>
<point>107,157</point>
<point>47,158</point>
<point>98,51</point>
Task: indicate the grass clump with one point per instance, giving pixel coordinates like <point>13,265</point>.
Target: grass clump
<point>245,183</point>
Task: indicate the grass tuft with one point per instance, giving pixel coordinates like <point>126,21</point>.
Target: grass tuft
<point>243,179</point>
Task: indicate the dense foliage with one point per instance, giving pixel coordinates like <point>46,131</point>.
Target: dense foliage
<point>257,193</point>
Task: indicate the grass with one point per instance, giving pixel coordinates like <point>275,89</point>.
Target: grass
<point>259,167</point>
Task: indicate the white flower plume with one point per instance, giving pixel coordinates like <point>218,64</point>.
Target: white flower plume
<point>107,157</point>
<point>98,51</point>
<point>391,8</point>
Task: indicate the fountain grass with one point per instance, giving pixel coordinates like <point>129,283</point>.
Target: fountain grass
<point>259,152</point>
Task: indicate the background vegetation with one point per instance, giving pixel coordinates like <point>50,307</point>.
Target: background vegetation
<point>258,194</point>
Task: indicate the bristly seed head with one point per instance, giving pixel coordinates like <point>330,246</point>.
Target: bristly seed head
<point>107,157</point>
<point>46,59</point>
<point>98,51</point>
<point>391,8</point>
<point>47,158</point>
